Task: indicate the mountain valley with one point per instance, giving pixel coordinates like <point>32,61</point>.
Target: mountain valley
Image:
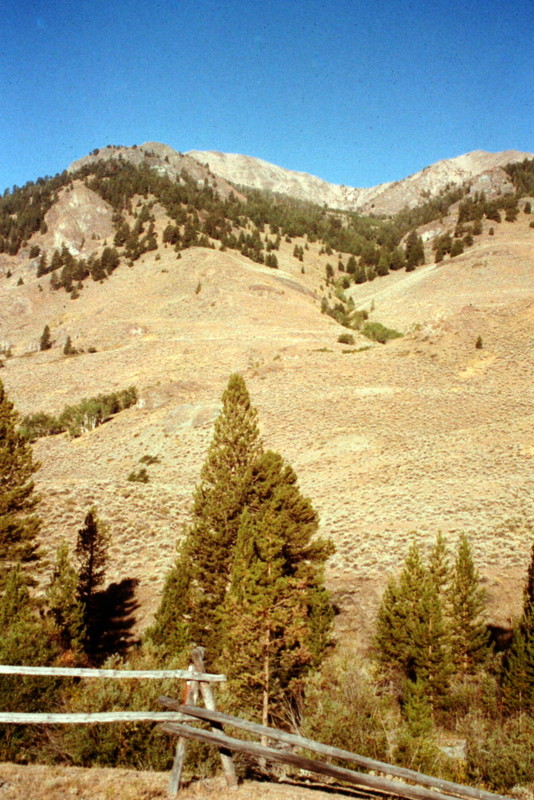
<point>432,431</point>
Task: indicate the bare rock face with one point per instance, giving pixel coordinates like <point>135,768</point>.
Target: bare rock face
<point>385,198</point>
<point>80,220</point>
<point>259,174</point>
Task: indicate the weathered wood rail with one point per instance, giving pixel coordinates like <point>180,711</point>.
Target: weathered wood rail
<point>178,721</point>
<point>427,787</point>
<point>75,672</point>
<point>195,678</point>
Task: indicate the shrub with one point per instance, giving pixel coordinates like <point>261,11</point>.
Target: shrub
<point>478,343</point>
<point>40,424</point>
<point>346,338</point>
<point>136,745</point>
<point>501,756</point>
<point>138,476</point>
<point>147,459</point>
<point>88,414</point>
<point>379,333</point>
<point>342,707</point>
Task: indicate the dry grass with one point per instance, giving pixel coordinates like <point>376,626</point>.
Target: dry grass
<point>425,433</point>
<point>39,782</point>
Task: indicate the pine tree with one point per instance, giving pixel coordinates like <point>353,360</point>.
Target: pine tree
<point>91,551</point>
<point>438,564</point>
<point>18,523</point>
<point>197,585</point>
<point>415,253</point>
<point>91,554</point>
<point>469,634</point>
<point>411,635</point>
<point>276,619</point>
<point>517,678</point>
<point>46,339</point>
<point>66,608</point>
<point>68,349</point>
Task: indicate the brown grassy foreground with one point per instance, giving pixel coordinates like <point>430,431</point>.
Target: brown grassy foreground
<point>40,782</point>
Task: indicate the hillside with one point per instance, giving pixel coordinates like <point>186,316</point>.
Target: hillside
<point>425,433</point>
<point>483,169</point>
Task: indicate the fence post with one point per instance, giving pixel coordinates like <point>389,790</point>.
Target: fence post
<point>197,657</point>
<point>190,696</point>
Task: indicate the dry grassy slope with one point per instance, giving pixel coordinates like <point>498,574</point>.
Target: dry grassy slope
<point>423,434</point>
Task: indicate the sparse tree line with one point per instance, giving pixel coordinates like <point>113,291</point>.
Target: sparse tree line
<point>79,418</point>
<point>248,584</point>
<point>199,217</point>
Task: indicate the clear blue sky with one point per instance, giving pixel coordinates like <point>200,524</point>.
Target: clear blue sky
<point>354,92</point>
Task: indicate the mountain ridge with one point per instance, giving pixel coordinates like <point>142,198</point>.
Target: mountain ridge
<point>384,198</point>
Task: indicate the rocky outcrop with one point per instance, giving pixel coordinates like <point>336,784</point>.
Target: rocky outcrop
<point>80,219</point>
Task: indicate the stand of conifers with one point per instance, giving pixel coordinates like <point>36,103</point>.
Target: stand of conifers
<point>178,720</point>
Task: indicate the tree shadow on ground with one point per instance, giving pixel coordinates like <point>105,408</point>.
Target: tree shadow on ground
<point>114,616</point>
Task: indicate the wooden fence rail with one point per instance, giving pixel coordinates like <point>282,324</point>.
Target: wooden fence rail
<point>198,681</point>
<point>195,676</point>
<point>381,785</point>
<point>75,672</point>
<point>455,789</point>
<point>376,784</point>
<point>30,718</point>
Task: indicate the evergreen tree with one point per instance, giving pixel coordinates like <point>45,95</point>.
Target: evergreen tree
<point>91,551</point>
<point>18,523</point>
<point>383,263</point>
<point>411,636</point>
<point>68,349</point>
<point>196,586</point>
<point>46,340</point>
<point>276,618</point>
<point>91,554</point>
<point>66,608</point>
<point>438,564</point>
<point>415,253</point>
<point>469,634</point>
<point>518,668</point>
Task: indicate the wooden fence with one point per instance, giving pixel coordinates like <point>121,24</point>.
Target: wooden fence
<point>178,721</point>
<point>192,676</point>
<point>427,786</point>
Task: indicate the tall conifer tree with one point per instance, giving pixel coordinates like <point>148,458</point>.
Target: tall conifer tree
<point>66,608</point>
<point>518,668</point>
<point>18,523</point>
<point>91,555</point>
<point>469,633</point>
<point>276,619</point>
<point>196,586</point>
<point>411,635</point>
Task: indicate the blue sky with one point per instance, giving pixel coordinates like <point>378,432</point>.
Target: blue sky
<point>354,92</point>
